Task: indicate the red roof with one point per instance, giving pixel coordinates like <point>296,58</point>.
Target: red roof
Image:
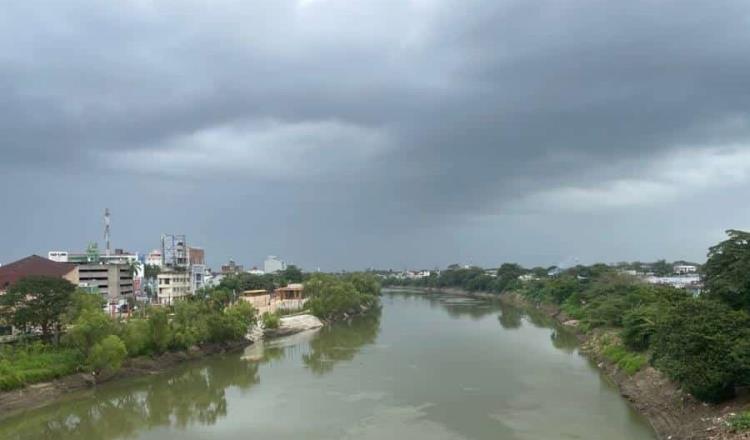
<point>33,265</point>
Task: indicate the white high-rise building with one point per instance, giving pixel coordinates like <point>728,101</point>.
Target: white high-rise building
<point>273,264</point>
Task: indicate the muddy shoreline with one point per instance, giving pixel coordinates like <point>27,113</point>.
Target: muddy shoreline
<point>41,394</point>
<point>673,414</point>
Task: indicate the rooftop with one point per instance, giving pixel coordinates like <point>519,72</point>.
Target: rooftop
<point>32,265</point>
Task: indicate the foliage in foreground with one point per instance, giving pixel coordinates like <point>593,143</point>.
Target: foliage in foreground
<point>740,422</point>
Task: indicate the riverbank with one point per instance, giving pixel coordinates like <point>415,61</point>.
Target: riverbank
<point>673,414</point>
<point>41,394</point>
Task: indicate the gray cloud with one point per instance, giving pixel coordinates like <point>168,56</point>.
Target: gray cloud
<point>349,134</point>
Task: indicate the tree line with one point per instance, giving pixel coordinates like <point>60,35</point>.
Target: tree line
<point>701,342</point>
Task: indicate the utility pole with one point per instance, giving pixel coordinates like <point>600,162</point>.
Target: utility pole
<point>106,232</point>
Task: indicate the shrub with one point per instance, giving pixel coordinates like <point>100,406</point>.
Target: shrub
<point>159,331</point>
<point>135,335</point>
<point>271,320</point>
<point>740,422</point>
<point>107,355</point>
<point>91,326</point>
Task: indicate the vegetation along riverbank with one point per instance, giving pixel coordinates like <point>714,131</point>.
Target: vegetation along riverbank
<point>81,345</point>
<point>682,360</point>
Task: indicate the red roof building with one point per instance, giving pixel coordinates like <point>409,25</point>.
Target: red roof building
<point>36,265</point>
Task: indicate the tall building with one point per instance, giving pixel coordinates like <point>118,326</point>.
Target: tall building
<point>172,285</point>
<point>273,264</point>
<point>113,281</point>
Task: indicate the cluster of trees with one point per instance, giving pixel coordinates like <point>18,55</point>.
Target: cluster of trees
<point>95,342</point>
<point>334,297</point>
<point>247,281</point>
<point>701,342</point>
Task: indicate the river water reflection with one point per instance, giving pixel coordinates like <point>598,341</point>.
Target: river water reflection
<point>426,367</point>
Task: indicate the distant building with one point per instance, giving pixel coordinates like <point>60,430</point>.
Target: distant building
<point>35,265</point>
<point>154,258</point>
<point>199,274</point>
<point>231,268</point>
<point>273,264</point>
<point>171,286</point>
<point>256,271</point>
<point>684,269</point>
<point>196,255</point>
<point>113,281</point>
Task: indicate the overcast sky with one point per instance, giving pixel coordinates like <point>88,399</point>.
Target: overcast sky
<point>387,133</point>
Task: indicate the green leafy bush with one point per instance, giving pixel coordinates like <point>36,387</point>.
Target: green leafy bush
<point>703,345</point>
<point>740,422</point>
<point>107,355</point>
<point>271,320</point>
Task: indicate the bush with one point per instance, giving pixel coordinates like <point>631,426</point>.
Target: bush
<point>160,335</point>
<point>91,326</point>
<point>271,320</point>
<point>740,422</point>
<point>135,335</point>
<point>107,355</point>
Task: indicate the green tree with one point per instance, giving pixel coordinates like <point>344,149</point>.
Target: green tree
<point>37,301</point>
<point>507,276</point>
<point>150,271</point>
<point>159,332</point>
<point>133,267</point>
<point>662,268</point>
<point>703,345</point>
<point>91,326</point>
<point>107,355</point>
<point>292,274</point>
<point>726,274</point>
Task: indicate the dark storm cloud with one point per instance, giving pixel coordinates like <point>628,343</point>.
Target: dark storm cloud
<point>380,124</point>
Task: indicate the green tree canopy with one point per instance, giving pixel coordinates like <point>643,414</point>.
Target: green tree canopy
<point>726,274</point>
<point>37,301</point>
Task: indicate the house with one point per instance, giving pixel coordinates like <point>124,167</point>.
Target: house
<point>258,298</point>
<point>684,269</point>
<point>291,291</point>
<point>35,265</point>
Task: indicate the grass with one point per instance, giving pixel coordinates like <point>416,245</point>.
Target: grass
<point>628,361</point>
<point>25,364</point>
<point>740,422</point>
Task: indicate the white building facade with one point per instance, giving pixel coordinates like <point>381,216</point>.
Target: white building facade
<point>273,264</point>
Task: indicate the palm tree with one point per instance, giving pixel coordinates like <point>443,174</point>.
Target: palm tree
<point>133,267</point>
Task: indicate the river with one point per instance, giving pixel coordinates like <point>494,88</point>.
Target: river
<point>426,367</point>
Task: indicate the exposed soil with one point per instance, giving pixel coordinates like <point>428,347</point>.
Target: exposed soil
<point>673,414</point>
<point>42,394</point>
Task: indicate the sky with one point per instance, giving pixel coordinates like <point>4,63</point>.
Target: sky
<point>348,134</point>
